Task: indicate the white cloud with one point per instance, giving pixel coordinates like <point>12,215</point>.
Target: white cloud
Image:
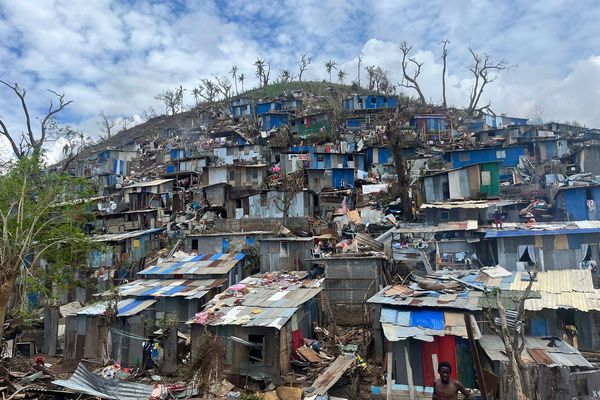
<point>115,56</point>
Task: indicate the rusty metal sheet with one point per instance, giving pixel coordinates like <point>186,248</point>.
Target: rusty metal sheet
<point>541,357</point>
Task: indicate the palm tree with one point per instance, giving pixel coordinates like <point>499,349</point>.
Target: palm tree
<point>330,65</point>
<point>260,69</point>
<point>341,75</point>
<point>286,75</point>
<point>233,72</point>
<point>241,78</point>
<point>196,93</point>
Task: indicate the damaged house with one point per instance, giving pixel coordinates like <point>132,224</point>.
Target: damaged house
<point>263,320</point>
<point>176,289</point>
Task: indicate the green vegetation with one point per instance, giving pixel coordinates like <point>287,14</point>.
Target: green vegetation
<point>42,244</point>
<point>317,88</point>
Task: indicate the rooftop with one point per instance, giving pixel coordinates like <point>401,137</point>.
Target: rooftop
<point>552,352</point>
<point>154,182</point>
<point>117,237</point>
<point>543,228</point>
<point>190,266</point>
<point>268,299</point>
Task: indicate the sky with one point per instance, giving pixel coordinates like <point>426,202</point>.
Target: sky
<point>115,56</point>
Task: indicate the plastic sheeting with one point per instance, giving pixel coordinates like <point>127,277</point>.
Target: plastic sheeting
<point>431,319</point>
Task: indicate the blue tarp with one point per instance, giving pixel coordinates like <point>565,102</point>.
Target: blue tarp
<point>427,319</point>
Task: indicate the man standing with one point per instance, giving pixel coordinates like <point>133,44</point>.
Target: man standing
<point>446,388</point>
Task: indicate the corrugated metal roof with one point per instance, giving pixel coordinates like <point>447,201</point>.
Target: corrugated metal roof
<point>86,382</point>
<point>442,227</point>
<point>559,281</point>
<point>117,237</point>
<point>203,264</point>
<point>267,299</point>
<point>541,229</point>
<point>538,351</point>
<point>422,325</point>
<point>125,307</point>
<point>169,287</point>
<point>253,316</point>
<point>402,295</point>
<point>272,298</point>
<point>155,182</point>
<point>448,205</point>
<point>570,288</point>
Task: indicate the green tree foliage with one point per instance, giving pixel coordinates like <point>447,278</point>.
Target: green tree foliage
<point>42,242</point>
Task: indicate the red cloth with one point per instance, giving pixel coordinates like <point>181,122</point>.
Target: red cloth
<point>297,339</point>
<point>445,348</point>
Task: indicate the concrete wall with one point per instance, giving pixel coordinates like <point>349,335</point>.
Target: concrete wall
<point>261,224</point>
<point>217,174</point>
<point>271,205</point>
<point>291,257</point>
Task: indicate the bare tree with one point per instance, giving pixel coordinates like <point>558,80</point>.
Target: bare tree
<point>513,337</point>
<point>329,66</point>
<point>289,186</point>
<point>106,125</point>
<point>172,99</point>
<point>223,85</point>
<point>303,65</point>
<point>370,75</point>
<point>444,44</point>
<point>242,78</point>
<point>360,58</point>
<point>30,142</point>
<point>208,90</point>
<point>409,79</point>
<point>484,72</point>
<point>341,75</point>
<point>233,72</point>
<point>75,142</point>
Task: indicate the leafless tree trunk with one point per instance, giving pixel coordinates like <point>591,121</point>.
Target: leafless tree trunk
<point>513,339</point>
<point>303,65</point>
<point>28,142</point>
<point>410,80</point>
<point>106,125</point>
<point>444,44</point>
<point>360,58</point>
<point>484,71</point>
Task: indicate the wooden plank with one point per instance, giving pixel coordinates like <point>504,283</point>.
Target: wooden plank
<point>331,375</point>
<point>476,358</point>
<point>309,354</point>
<point>388,383</point>
<point>409,374</point>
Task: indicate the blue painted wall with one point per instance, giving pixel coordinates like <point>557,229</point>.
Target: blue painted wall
<point>337,174</point>
<point>370,102</point>
<point>266,107</point>
<point>353,123</point>
<point>486,155</point>
<point>270,121</point>
<point>384,155</point>
<point>575,203</point>
<point>429,123</point>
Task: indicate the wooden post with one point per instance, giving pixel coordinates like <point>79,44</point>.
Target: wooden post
<point>476,359</point>
<point>409,374</point>
<point>50,342</point>
<point>388,383</point>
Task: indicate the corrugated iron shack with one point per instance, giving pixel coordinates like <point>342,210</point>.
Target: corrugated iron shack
<point>349,282</point>
<point>419,328</point>
<point>556,245</point>
<point>264,319</point>
<point>173,289</point>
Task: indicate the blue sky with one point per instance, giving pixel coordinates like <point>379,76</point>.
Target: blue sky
<point>115,56</point>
